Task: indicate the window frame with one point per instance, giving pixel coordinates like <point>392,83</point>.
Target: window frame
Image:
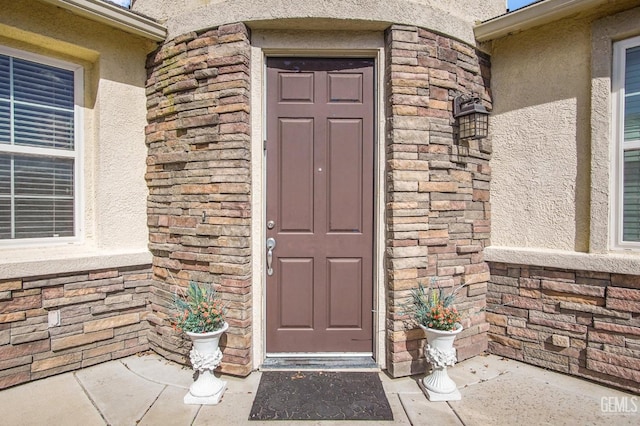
<point>618,146</point>
<point>76,154</point>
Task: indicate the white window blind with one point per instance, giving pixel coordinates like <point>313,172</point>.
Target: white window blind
<point>631,146</point>
<point>631,215</point>
<point>37,150</point>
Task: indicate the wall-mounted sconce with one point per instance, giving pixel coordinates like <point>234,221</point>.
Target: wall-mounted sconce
<point>472,117</point>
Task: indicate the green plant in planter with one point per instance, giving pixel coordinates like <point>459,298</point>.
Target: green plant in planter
<point>198,310</point>
<point>433,308</point>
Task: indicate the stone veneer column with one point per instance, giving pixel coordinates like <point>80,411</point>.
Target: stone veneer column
<point>199,180</point>
<point>437,207</point>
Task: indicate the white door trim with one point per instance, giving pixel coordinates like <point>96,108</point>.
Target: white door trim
<point>322,44</point>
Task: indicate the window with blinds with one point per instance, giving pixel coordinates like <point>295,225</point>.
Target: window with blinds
<point>627,85</point>
<point>38,153</point>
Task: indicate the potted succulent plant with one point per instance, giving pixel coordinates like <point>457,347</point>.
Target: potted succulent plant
<point>434,312</point>
<point>199,313</point>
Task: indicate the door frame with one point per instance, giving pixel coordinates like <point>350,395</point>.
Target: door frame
<point>270,43</point>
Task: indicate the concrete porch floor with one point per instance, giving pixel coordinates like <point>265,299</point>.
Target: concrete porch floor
<point>148,390</point>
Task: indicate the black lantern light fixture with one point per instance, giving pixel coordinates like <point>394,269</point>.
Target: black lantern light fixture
<point>472,117</point>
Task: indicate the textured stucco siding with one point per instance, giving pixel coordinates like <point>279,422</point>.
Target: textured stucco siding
<point>541,165</point>
<point>553,186</point>
<point>113,152</point>
<point>443,16</point>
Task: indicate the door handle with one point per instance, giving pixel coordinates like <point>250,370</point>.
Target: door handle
<point>271,244</point>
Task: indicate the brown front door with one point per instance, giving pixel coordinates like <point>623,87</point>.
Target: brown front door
<point>320,166</point>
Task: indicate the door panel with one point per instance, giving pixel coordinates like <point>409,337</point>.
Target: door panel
<point>296,87</point>
<point>345,175</point>
<point>345,87</point>
<point>345,285</point>
<point>296,293</point>
<point>296,175</point>
<point>320,199</point>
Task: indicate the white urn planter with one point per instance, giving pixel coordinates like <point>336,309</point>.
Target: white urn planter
<point>205,357</point>
<point>440,353</point>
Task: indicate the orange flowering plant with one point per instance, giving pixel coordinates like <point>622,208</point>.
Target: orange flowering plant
<point>434,309</point>
<point>199,310</point>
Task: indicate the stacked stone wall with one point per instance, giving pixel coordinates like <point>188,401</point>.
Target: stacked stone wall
<point>437,207</point>
<point>102,316</point>
<point>577,322</point>
<point>198,173</point>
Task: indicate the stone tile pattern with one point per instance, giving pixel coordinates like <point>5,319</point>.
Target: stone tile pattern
<point>437,207</point>
<point>102,317</point>
<point>198,174</point>
<point>577,322</point>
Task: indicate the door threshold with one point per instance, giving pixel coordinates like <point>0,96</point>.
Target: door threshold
<point>342,363</point>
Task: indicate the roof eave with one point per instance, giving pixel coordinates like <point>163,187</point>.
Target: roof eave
<point>531,16</point>
<point>114,16</point>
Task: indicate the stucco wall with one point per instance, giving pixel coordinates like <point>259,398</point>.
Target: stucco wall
<point>113,149</point>
<point>551,186</point>
<point>540,167</point>
<point>444,16</point>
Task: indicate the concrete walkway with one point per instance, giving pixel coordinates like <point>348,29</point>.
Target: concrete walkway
<point>148,390</point>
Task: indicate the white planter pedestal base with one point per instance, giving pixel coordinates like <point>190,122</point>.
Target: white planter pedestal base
<point>435,396</point>
<point>220,387</point>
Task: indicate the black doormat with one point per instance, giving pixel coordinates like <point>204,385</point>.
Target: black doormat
<point>290,395</point>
